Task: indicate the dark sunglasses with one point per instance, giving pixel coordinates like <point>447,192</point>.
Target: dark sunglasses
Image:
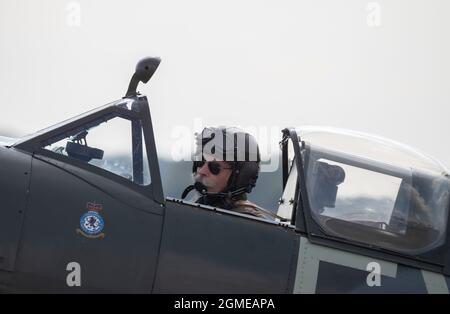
<point>213,166</point>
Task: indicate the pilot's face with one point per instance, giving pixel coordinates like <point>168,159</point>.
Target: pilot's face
<point>214,182</point>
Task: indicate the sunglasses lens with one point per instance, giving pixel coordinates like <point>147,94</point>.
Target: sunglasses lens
<point>214,167</point>
<point>199,164</point>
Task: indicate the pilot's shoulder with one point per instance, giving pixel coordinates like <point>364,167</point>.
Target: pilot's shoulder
<point>249,208</point>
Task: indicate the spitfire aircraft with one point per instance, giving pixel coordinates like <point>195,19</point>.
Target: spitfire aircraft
<point>358,214</point>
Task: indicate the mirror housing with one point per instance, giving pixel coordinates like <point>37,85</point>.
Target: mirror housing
<point>83,152</point>
<point>144,71</point>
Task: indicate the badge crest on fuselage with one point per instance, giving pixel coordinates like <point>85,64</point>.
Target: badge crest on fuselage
<point>92,223</point>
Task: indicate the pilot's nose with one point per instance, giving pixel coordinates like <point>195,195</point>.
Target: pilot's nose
<point>203,170</point>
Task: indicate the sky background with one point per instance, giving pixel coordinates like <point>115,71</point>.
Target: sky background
<point>380,67</point>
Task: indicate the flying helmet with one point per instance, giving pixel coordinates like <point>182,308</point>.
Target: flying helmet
<point>235,146</point>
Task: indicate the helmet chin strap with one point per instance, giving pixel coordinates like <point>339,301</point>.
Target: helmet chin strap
<point>203,190</point>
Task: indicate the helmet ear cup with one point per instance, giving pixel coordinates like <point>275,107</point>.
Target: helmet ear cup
<point>248,175</point>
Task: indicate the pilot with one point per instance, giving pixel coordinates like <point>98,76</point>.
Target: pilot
<point>225,169</point>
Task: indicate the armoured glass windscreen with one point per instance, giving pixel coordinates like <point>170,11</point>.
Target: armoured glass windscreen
<point>365,196</point>
<point>108,145</point>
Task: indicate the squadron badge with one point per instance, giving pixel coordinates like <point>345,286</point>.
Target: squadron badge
<point>92,223</point>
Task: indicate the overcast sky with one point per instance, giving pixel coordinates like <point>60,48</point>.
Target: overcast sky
<point>381,67</point>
